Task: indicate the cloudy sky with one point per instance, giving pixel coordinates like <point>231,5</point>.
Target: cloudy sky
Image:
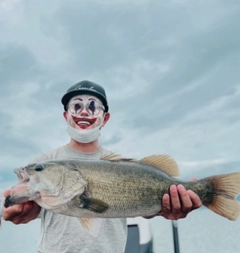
<point>170,70</point>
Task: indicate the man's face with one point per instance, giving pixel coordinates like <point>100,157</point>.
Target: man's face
<point>85,112</point>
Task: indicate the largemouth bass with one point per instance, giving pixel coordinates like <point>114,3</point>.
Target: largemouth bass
<point>115,187</point>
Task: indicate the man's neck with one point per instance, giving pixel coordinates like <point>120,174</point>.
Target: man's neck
<point>84,147</point>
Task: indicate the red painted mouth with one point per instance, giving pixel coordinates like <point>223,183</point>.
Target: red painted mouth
<point>84,123</point>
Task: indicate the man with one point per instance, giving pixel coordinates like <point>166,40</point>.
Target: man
<point>86,112</point>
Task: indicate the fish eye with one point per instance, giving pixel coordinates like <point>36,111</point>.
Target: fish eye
<point>39,167</point>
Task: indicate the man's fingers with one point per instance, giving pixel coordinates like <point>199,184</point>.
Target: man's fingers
<point>30,211</point>
<point>175,201</point>
<point>194,179</point>
<point>186,202</point>
<point>179,202</point>
<point>196,201</point>
<point>166,205</point>
<point>6,193</point>
<point>21,213</point>
<point>11,211</point>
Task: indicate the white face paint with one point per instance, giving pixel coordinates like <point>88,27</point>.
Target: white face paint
<point>84,126</point>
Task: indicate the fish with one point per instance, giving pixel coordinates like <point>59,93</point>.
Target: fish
<point>116,187</point>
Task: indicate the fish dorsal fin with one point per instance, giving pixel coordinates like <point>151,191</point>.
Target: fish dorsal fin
<point>117,158</point>
<point>164,162</point>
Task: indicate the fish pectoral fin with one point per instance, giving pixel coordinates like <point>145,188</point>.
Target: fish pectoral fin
<point>94,205</point>
<point>91,225</point>
<point>163,162</point>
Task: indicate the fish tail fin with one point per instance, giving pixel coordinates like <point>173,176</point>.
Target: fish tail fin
<point>226,189</point>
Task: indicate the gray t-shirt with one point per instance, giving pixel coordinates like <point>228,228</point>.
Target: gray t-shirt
<point>64,234</point>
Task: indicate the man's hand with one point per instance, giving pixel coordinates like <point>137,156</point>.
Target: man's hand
<point>20,213</point>
<point>178,203</point>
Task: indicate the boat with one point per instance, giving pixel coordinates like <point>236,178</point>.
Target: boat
<point>140,237</point>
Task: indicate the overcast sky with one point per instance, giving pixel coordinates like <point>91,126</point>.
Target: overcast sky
<point>170,70</point>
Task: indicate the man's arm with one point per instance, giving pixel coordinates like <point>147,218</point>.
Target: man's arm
<point>20,213</point>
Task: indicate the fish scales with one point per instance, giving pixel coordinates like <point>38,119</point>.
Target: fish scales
<point>130,190</point>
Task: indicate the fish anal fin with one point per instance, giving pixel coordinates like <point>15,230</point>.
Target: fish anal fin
<point>91,225</point>
<point>163,162</point>
<point>94,205</point>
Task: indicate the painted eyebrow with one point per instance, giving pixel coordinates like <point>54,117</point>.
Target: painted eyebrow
<point>78,99</point>
<point>90,99</point>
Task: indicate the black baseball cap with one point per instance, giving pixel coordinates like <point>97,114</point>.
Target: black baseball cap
<point>85,87</point>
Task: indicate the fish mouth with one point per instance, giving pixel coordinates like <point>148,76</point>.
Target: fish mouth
<point>22,192</point>
<point>22,175</point>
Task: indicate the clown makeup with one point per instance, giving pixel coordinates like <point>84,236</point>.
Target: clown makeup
<point>85,112</point>
<point>92,106</point>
